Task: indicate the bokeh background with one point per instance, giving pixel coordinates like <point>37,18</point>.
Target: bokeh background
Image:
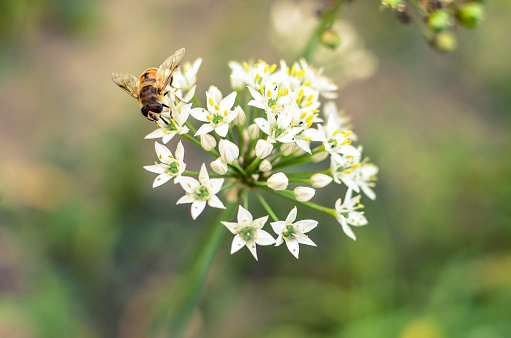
<point>88,248</point>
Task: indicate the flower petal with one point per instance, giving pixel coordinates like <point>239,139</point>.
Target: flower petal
<point>237,244</point>
<point>306,225</point>
<point>293,247</point>
<point>263,238</point>
<point>197,208</point>
<point>278,226</point>
<point>189,184</point>
<point>292,216</point>
<point>161,179</point>
<point>244,217</point>
<point>252,247</point>
<point>231,226</point>
<point>204,129</point>
<point>215,202</point>
<point>185,199</point>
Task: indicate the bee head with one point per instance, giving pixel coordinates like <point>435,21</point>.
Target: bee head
<point>152,111</point>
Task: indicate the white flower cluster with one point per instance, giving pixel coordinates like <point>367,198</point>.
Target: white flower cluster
<point>281,126</point>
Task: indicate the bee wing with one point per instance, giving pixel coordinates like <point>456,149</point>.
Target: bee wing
<point>127,82</point>
<point>170,65</point>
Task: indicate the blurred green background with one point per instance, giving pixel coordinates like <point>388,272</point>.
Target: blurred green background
<point>88,248</point>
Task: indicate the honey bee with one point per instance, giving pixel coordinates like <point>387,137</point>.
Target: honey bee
<point>149,90</point>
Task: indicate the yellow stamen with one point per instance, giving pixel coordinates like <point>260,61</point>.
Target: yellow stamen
<point>347,171</point>
<point>303,115</point>
<point>272,68</point>
<point>247,67</point>
<point>355,166</point>
<point>300,93</point>
<point>274,106</point>
<point>307,83</point>
<point>301,73</point>
<point>170,156</point>
<point>268,93</point>
<point>209,117</point>
<point>225,112</point>
<point>344,142</point>
<point>310,97</point>
<point>309,124</point>
<point>310,118</point>
<point>284,93</point>
<point>257,77</point>
<point>346,133</point>
<point>211,102</point>
<point>266,68</point>
<point>306,138</point>
<point>308,104</point>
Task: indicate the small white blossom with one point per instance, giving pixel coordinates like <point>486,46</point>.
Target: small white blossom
<point>207,142</point>
<point>347,214</point>
<point>293,233</point>
<point>253,131</point>
<point>263,148</point>
<point>185,76</point>
<point>229,152</point>
<point>176,124</point>
<point>218,116</point>
<point>219,166</point>
<point>304,194</point>
<point>248,232</point>
<point>320,180</point>
<point>265,166</point>
<point>201,191</point>
<point>170,166</point>
<point>287,148</point>
<point>241,117</point>
<point>278,181</point>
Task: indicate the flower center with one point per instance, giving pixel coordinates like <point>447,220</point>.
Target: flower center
<point>173,168</point>
<point>277,131</point>
<point>247,233</point>
<point>289,232</point>
<point>217,118</point>
<point>202,193</point>
<point>272,102</point>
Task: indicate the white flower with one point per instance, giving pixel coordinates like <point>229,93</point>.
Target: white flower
<point>263,148</point>
<point>320,180</point>
<point>347,214</point>
<point>253,131</point>
<point>278,126</point>
<point>336,141</point>
<point>229,152</point>
<point>304,194</point>
<point>293,233</point>
<point>219,166</point>
<point>287,148</point>
<point>265,166</point>
<point>278,181</point>
<point>176,126</point>
<point>170,166</point>
<point>241,117</point>
<point>201,191</point>
<point>185,76</point>
<point>207,142</point>
<point>248,232</point>
<point>218,115</point>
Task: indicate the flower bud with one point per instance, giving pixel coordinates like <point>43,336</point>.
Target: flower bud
<point>265,166</point>
<point>207,142</point>
<point>241,118</point>
<point>320,180</point>
<point>229,151</point>
<point>330,39</point>
<point>304,194</point>
<point>278,181</point>
<point>445,42</point>
<point>322,155</point>
<point>219,166</point>
<point>263,148</point>
<point>253,131</point>
<point>287,148</point>
<point>439,21</point>
<point>471,14</point>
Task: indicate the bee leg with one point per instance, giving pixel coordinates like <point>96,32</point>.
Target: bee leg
<point>180,99</point>
<point>164,120</point>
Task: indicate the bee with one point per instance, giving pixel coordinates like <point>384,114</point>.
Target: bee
<point>149,90</point>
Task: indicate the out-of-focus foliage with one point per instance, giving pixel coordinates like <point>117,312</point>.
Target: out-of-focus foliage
<point>88,248</point>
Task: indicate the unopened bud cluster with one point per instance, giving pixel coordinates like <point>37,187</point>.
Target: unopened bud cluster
<point>441,17</point>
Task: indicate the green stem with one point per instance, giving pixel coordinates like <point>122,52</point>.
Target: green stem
<point>175,313</point>
<point>230,185</point>
<point>255,163</point>
<point>196,101</point>
<point>327,19</point>
<point>267,207</point>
